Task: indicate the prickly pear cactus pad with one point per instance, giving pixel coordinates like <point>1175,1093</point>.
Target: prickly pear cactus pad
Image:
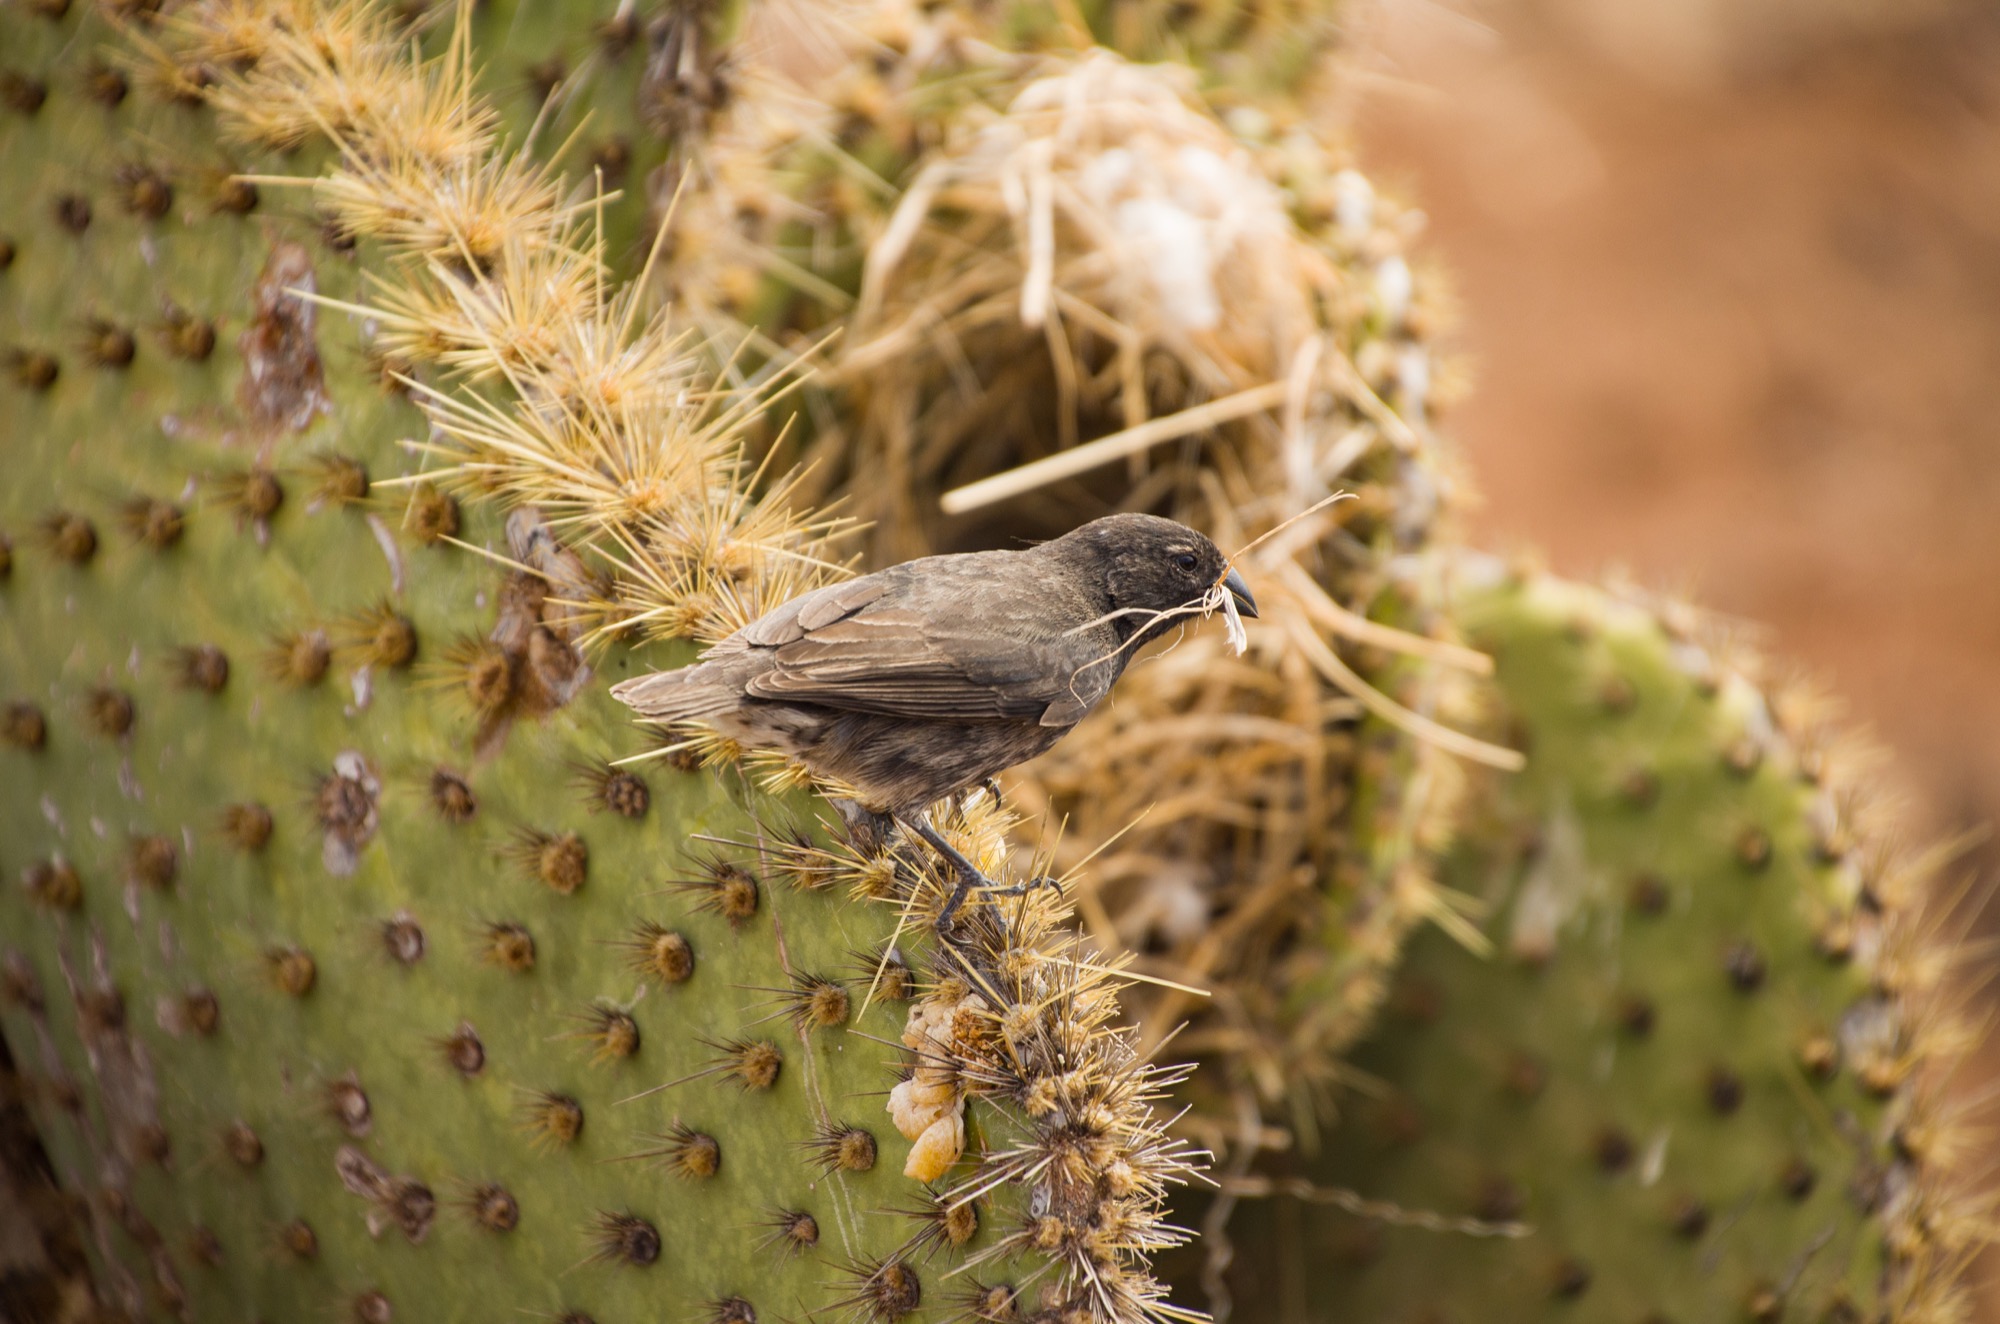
<point>350,972</point>
<point>1702,1065</point>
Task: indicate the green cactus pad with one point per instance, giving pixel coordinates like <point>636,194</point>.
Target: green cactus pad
<point>348,974</point>
<point>1701,1065</point>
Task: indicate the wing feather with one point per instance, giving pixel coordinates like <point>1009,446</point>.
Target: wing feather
<point>905,667</point>
<point>865,646</point>
<point>812,611</point>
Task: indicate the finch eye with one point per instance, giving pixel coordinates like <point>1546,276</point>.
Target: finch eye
<point>1187,560</point>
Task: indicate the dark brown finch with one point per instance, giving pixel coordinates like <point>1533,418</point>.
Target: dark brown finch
<point>919,681</point>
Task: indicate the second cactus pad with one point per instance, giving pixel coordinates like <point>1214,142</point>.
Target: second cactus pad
<point>1698,1069</point>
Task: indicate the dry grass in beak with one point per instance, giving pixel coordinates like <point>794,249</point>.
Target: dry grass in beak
<point>1239,638</point>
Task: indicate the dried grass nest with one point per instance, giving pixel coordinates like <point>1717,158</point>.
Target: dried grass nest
<point>1074,276</point>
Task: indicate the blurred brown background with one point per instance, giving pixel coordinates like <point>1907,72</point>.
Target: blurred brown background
<point>1730,282</point>
<point>1731,296</point>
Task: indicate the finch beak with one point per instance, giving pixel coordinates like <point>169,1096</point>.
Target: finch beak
<point>1239,590</point>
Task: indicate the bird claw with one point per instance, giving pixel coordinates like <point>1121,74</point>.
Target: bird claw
<point>1032,885</point>
<point>970,878</point>
<point>990,786</point>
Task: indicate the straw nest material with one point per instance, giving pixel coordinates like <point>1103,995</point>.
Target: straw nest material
<point>1101,255</point>
<point>1066,260</point>
<point>1106,263</point>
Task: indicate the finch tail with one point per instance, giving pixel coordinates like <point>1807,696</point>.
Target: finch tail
<point>679,696</point>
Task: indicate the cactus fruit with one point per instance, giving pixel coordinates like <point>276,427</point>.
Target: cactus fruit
<point>349,973</point>
<point>1705,1064</point>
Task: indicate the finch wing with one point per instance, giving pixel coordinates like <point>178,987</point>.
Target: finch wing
<point>905,663</point>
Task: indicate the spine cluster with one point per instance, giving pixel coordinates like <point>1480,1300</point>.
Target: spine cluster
<point>543,386</point>
<point>1017,1013</point>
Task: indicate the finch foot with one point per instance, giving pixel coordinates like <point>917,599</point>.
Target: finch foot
<point>969,875</point>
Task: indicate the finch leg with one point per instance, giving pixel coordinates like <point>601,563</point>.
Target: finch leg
<point>969,875</point>
<point>867,831</point>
